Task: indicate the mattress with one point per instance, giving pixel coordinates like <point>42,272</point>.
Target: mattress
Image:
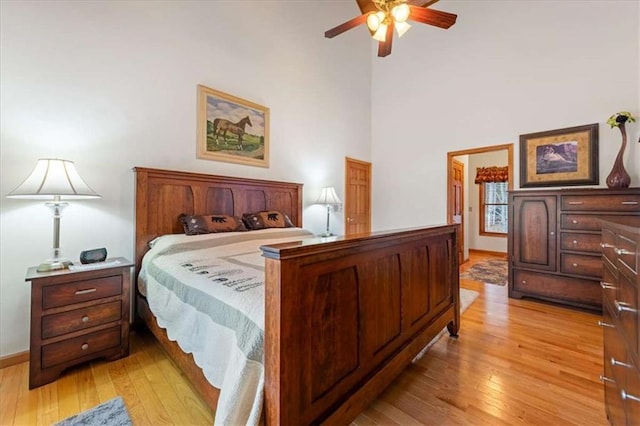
<point>207,291</point>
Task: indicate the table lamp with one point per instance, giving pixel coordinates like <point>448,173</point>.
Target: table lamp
<point>54,179</point>
<point>329,198</point>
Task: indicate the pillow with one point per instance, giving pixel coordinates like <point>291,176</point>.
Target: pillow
<point>208,224</point>
<point>267,219</point>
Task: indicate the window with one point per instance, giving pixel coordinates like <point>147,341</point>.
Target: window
<point>493,208</point>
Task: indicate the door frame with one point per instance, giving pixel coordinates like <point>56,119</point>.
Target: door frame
<point>450,156</point>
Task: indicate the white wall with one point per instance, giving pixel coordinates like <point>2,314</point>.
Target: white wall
<point>477,241</point>
<point>112,85</point>
<point>505,68</point>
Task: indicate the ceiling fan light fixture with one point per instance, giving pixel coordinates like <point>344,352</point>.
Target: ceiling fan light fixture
<point>381,33</point>
<point>401,28</point>
<point>400,12</point>
<point>373,21</point>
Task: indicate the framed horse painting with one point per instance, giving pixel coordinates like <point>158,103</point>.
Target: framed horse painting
<point>231,129</point>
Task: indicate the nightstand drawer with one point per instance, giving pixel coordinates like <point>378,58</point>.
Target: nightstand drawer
<point>624,203</point>
<point>81,291</point>
<point>578,264</point>
<point>68,350</point>
<point>78,319</point>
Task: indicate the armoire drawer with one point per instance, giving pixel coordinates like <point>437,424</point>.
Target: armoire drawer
<point>581,291</point>
<point>604,202</point>
<point>580,242</point>
<point>578,264</point>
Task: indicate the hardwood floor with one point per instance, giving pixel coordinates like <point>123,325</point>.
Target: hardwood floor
<point>515,362</point>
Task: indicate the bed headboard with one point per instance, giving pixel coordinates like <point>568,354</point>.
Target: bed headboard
<point>162,195</point>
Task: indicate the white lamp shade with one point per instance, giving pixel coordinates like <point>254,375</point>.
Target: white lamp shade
<point>328,196</point>
<point>53,177</point>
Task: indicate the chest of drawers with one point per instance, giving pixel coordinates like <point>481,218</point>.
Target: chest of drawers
<point>620,318</point>
<point>554,241</point>
<point>77,317</point>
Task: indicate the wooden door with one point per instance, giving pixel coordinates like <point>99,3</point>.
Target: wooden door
<point>533,221</point>
<point>456,198</point>
<point>357,203</point>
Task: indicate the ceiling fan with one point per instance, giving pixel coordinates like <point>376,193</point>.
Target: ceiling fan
<point>382,16</point>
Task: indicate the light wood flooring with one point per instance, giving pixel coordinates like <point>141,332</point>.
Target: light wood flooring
<point>515,362</point>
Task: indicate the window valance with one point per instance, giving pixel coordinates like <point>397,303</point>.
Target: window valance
<point>492,174</point>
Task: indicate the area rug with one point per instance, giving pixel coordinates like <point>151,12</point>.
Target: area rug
<point>467,297</point>
<point>490,271</point>
<point>110,413</point>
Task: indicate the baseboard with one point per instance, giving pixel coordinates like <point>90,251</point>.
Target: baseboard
<point>487,252</point>
<point>9,360</point>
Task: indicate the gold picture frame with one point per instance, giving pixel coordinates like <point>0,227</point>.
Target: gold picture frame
<point>562,157</point>
<point>231,129</point>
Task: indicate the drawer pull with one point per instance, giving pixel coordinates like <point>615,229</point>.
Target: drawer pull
<point>607,286</point>
<point>552,233</point>
<point>575,203</point>
<point>607,245</point>
<point>574,221</point>
<point>85,319</point>
<point>575,265</point>
<point>524,281</point>
<point>624,307</point>
<point>84,346</point>
<point>574,242</point>
<point>87,291</point>
<point>606,379</point>
<point>615,362</point>
<point>605,324</point>
<point>620,252</point>
<point>629,203</point>
<point>624,395</point>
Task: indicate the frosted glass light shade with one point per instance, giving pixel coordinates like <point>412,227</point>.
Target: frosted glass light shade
<point>328,196</point>
<point>381,33</point>
<point>401,28</point>
<point>400,12</point>
<point>53,177</point>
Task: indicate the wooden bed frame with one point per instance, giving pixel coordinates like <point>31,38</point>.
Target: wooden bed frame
<point>344,315</point>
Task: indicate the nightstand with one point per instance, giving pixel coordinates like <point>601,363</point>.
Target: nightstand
<point>77,316</point>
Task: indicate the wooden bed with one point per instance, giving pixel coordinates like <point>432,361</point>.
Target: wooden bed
<point>344,315</point>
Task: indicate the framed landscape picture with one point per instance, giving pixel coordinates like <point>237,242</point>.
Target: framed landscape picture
<point>232,129</point>
<point>562,157</point>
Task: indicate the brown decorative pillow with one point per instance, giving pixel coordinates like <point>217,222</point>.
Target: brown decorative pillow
<point>268,219</point>
<point>208,224</point>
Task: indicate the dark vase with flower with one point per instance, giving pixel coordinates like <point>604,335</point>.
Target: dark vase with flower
<point>619,178</point>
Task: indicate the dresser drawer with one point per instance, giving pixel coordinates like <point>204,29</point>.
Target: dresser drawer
<point>609,281</point>
<point>68,350</point>
<point>79,319</point>
<point>608,245</point>
<point>626,308</point>
<point>81,291</point>
<point>627,251</point>
<point>603,202</point>
<point>580,242</point>
<point>592,222</point>
<point>582,291</point>
<point>578,264</point>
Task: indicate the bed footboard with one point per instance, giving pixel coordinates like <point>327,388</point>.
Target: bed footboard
<point>344,317</point>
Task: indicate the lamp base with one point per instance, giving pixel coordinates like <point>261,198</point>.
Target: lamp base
<point>54,265</point>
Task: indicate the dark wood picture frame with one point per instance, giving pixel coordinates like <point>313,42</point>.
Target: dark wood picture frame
<point>562,157</point>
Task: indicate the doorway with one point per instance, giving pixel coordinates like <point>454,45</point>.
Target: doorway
<point>469,188</point>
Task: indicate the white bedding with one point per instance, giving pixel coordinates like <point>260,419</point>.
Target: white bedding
<point>207,291</point>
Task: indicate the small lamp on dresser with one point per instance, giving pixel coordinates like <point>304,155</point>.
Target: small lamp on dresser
<point>54,179</point>
<point>328,197</point>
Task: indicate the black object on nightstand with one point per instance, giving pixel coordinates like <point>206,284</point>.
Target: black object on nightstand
<point>77,316</point>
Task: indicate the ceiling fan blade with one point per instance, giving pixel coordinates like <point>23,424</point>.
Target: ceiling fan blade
<point>384,47</point>
<point>421,3</point>
<point>367,6</point>
<point>432,17</point>
<point>345,26</point>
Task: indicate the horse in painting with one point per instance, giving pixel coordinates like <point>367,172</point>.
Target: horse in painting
<point>221,126</point>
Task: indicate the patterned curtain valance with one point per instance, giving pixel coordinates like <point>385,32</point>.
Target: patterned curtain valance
<point>492,174</point>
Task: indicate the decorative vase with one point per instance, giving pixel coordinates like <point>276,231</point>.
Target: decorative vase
<point>619,178</point>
